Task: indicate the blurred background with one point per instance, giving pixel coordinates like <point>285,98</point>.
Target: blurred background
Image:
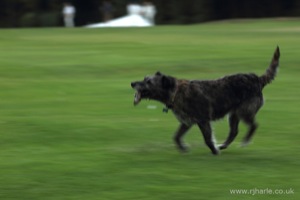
<point>48,13</point>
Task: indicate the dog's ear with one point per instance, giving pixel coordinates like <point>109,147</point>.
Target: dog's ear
<point>158,73</point>
<point>167,82</point>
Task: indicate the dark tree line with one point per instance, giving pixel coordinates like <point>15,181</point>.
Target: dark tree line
<point>41,13</point>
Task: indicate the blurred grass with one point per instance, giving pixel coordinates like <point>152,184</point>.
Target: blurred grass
<point>68,128</point>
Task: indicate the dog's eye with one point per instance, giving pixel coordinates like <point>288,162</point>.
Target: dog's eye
<point>149,82</point>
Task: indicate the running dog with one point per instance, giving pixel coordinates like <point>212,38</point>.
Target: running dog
<point>202,101</point>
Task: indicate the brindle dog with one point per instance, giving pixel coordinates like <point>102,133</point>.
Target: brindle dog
<point>201,101</point>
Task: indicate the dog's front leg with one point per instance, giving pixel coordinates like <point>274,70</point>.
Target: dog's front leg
<point>178,135</point>
<point>208,136</point>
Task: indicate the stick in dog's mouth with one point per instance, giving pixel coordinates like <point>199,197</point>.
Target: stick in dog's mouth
<point>137,98</point>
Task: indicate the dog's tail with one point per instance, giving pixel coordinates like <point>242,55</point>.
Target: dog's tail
<point>270,73</point>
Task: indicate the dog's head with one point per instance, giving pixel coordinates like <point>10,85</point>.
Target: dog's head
<point>157,87</point>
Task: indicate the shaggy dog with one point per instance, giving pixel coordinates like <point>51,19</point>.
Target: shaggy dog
<point>202,101</point>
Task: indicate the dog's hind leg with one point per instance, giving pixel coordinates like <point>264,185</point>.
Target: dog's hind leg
<point>233,123</point>
<point>179,134</point>
<point>208,136</point>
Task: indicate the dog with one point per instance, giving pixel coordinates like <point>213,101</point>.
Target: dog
<point>202,101</point>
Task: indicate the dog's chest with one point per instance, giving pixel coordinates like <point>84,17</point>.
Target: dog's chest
<point>183,117</point>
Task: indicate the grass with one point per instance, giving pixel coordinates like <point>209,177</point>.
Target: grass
<point>68,128</point>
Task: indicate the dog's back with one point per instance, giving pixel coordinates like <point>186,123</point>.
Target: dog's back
<point>221,96</point>
<point>230,93</point>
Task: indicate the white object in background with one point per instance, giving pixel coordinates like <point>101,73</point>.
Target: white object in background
<point>127,21</point>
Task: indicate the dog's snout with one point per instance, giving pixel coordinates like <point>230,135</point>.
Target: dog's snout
<point>133,84</point>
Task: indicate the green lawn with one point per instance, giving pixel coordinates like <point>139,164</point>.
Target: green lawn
<point>69,130</point>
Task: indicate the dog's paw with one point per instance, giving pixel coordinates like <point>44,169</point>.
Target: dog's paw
<point>215,152</point>
<point>245,143</point>
<point>222,146</point>
<point>183,148</point>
